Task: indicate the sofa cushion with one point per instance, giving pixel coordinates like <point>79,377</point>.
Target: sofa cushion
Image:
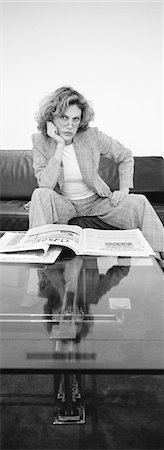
<point>16,174</point>
<point>148,174</point>
<point>108,170</point>
<point>18,180</point>
<point>13,216</point>
<point>159,208</point>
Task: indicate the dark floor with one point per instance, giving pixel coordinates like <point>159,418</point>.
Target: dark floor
<point>122,412</point>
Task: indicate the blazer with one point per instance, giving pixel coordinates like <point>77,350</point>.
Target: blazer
<point>89,145</point>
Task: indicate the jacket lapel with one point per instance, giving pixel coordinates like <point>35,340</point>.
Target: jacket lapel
<point>83,152</point>
<point>50,152</point>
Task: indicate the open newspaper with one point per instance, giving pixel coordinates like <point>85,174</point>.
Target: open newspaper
<point>11,240</point>
<point>82,241</point>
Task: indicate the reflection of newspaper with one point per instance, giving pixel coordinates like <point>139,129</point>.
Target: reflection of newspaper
<point>116,243</point>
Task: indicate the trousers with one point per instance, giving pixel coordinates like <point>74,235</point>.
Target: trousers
<point>134,211</point>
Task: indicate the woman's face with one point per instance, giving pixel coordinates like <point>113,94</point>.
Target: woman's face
<point>68,123</point>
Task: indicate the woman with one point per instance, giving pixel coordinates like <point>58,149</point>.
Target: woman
<point>66,159</point>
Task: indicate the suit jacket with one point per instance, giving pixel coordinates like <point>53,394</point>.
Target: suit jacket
<point>89,145</point>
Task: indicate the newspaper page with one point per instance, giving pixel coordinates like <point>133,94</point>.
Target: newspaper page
<point>55,234</point>
<point>16,242</point>
<point>43,237</point>
<point>30,256</point>
<point>116,243</point>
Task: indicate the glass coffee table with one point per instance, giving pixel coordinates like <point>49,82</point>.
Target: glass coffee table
<point>81,315</point>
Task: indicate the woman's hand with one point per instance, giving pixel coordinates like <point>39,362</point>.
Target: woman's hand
<point>52,132</point>
<point>117,196</point>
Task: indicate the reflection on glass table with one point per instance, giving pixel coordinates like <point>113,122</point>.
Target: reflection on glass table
<point>81,315</point>
<point>68,318</point>
<point>71,291</point>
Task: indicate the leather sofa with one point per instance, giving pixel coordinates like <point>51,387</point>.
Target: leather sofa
<point>17,182</point>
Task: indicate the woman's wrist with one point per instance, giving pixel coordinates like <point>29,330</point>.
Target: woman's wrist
<point>58,152</point>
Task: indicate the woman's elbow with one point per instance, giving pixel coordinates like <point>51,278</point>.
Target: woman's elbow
<point>45,184</point>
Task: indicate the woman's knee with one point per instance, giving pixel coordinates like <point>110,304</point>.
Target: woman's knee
<point>38,193</point>
<point>137,199</point>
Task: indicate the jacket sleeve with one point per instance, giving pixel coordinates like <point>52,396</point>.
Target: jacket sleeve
<point>116,151</point>
<point>46,167</point>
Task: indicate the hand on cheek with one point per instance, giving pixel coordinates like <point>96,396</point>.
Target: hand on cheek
<point>52,132</point>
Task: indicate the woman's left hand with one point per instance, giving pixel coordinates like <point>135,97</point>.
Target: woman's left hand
<point>117,196</point>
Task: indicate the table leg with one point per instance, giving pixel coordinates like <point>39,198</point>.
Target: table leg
<point>69,406</point>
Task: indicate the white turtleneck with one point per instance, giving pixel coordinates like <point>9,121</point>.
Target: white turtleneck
<point>73,187</point>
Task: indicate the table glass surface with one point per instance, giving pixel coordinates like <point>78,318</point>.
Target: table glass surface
<point>82,313</point>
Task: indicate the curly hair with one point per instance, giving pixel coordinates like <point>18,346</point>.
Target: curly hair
<point>57,102</point>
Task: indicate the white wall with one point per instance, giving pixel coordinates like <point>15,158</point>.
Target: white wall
<point>110,51</point>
